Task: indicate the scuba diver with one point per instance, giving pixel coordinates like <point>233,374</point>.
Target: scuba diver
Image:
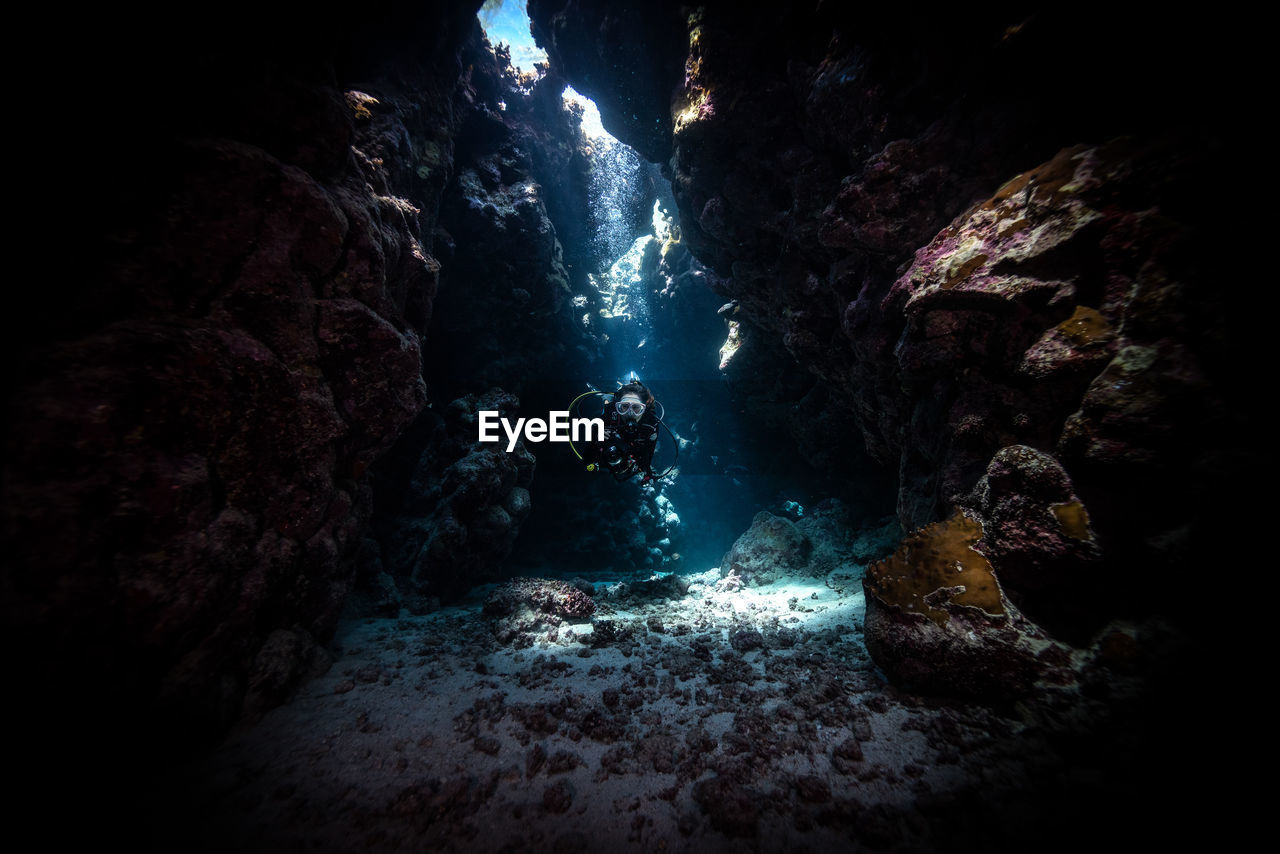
<point>631,421</point>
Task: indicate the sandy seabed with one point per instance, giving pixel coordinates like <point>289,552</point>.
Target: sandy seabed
<point>724,720</point>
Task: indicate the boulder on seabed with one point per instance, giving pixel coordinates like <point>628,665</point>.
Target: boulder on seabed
<point>938,620</point>
<point>772,547</point>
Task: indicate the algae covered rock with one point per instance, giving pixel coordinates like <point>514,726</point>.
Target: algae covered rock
<point>938,621</point>
<point>1038,534</point>
<point>523,606</point>
<point>544,595</point>
<point>772,547</point>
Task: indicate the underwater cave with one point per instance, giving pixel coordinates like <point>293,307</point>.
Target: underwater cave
<point>912,413</point>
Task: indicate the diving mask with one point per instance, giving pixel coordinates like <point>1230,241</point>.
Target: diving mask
<point>630,407</point>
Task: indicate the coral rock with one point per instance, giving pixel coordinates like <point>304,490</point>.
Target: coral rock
<point>936,570</point>
<point>541,595</point>
<point>1039,536</point>
<point>938,621</point>
<point>771,547</point>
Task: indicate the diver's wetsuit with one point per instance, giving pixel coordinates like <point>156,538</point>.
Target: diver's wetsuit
<point>627,447</point>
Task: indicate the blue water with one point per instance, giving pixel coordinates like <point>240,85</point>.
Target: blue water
<point>688,520</point>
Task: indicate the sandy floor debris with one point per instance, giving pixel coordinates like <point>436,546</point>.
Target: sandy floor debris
<point>724,720</point>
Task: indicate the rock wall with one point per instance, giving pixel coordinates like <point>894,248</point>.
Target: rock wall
<point>448,507</point>
<point>517,245</point>
<point>191,419</point>
<point>979,235</point>
<point>625,57</point>
<point>504,313</point>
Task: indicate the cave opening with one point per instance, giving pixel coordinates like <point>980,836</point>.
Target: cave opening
<point>607,291</point>
<point>948,419</point>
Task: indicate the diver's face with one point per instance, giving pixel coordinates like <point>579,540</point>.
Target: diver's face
<point>630,407</point>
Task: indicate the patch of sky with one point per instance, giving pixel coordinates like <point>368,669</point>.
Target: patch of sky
<point>508,21</point>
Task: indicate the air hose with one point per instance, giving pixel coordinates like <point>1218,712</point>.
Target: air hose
<point>676,444</point>
<point>571,406</point>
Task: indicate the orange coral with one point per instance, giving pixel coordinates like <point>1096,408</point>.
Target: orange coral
<point>923,575</point>
<point>1074,520</point>
<point>1050,178</point>
<point>1085,326</point>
